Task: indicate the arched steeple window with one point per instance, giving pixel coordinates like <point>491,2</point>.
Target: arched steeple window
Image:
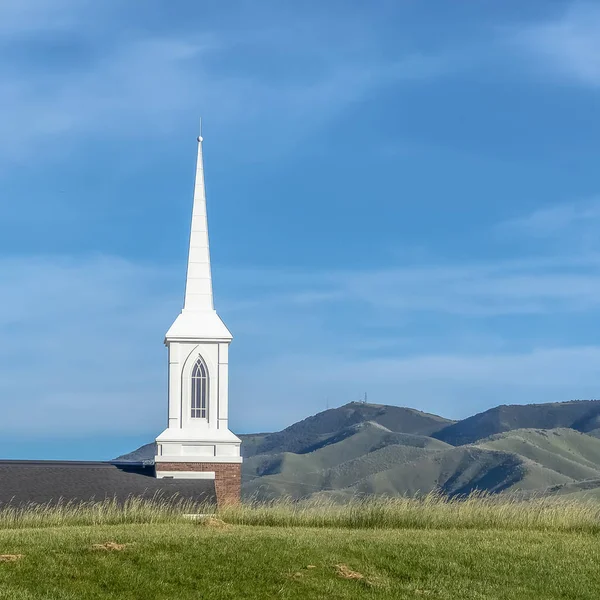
<point>199,390</point>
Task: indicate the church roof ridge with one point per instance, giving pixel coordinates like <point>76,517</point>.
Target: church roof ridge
<point>70,463</point>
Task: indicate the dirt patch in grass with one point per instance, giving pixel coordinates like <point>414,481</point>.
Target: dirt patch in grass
<point>303,572</point>
<point>215,523</point>
<point>109,546</point>
<point>345,572</point>
<point>10,557</point>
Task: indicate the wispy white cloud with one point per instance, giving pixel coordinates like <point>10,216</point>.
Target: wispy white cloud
<point>82,344</point>
<point>556,219</point>
<point>454,384</point>
<point>137,88</point>
<point>82,337</point>
<point>21,17</point>
<point>567,47</point>
<point>479,289</point>
<point>322,359</point>
<point>82,341</point>
<point>572,227</point>
<point>146,84</point>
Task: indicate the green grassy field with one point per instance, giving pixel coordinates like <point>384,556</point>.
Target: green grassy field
<point>479,549</point>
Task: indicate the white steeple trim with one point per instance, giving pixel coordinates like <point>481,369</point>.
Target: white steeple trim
<point>198,286</point>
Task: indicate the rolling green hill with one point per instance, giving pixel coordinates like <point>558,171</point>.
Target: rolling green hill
<point>565,451</point>
<point>369,459</point>
<point>581,415</point>
<point>455,472</point>
<point>307,435</point>
<point>339,461</point>
<point>367,449</point>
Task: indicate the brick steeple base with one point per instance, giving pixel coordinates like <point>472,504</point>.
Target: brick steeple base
<point>228,477</point>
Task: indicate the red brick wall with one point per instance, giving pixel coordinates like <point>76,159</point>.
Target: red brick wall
<point>228,477</point>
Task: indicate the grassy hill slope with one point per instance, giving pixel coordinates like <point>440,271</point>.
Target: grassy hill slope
<point>368,459</point>
<point>455,472</point>
<point>579,414</point>
<point>374,449</point>
<point>339,461</point>
<point>309,434</point>
<point>565,451</point>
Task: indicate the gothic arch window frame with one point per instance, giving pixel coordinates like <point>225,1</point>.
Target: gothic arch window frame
<point>199,392</point>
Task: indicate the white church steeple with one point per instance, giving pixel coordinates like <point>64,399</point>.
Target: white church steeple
<point>197,442</point>
<point>198,318</point>
<point>198,287</point>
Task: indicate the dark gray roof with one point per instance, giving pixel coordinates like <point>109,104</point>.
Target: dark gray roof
<point>25,481</point>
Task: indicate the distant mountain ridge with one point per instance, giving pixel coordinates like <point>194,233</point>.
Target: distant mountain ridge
<point>360,448</point>
<point>581,415</point>
<point>306,435</point>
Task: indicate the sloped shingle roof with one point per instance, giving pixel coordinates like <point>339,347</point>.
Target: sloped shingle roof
<point>23,482</point>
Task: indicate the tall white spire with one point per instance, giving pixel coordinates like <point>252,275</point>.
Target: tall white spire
<point>198,287</point>
<point>197,443</point>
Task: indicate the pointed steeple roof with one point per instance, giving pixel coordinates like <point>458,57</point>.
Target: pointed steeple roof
<point>198,287</point>
<point>198,319</point>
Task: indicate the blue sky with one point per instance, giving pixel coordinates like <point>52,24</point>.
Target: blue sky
<point>403,199</point>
